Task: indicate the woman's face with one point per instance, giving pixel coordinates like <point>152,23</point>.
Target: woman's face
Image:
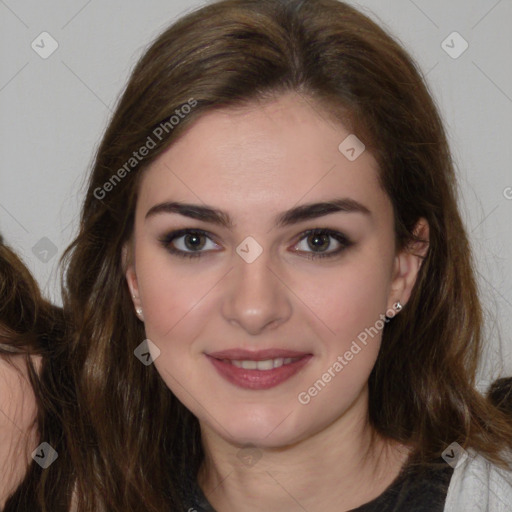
<point>18,428</point>
<point>241,280</point>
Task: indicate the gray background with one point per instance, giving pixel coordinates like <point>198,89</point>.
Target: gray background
<point>54,111</point>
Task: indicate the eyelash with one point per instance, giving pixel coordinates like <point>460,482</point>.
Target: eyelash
<point>344,241</point>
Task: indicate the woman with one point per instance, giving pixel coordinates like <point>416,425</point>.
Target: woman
<point>35,473</point>
<point>272,289</point>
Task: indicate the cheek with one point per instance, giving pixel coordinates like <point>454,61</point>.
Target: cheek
<point>17,400</point>
<point>351,305</point>
<point>352,297</point>
<point>173,296</point>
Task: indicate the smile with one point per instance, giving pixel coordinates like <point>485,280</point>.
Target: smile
<point>268,364</point>
<point>261,374</point>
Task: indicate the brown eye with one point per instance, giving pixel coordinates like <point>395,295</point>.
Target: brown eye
<point>194,241</point>
<point>316,243</point>
<point>319,242</point>
<point>188,243</point>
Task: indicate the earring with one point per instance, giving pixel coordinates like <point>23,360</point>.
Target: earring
<point>397,306</point>
<point>139,312</point>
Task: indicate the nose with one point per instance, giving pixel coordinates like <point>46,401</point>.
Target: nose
<point>255,298</point>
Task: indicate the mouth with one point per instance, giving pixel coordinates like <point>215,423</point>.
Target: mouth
<point>266,364</point>
<point>258,370</point>
<point>239,354</point>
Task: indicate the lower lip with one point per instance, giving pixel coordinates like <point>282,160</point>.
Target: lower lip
<point>258,379</point>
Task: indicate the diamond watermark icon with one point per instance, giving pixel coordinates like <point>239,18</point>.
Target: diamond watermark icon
<point>147,352</point>
<point>454,455</point>
<point>249,249</point>
<point>44,455</point>
<point>44,45</point>
<point>454,45</point>
<point>249,455</point>
<point>44,249</point>
<point>352,148</point>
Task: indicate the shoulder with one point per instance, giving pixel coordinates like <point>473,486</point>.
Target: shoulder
<point>478,485</point>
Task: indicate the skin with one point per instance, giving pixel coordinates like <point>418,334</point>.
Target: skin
<point>18,429</point>
<point>254,163</point>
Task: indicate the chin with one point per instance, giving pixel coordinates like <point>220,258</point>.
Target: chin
<point>264,428</point>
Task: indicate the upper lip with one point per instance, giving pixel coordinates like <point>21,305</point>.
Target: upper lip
<point>238,354</point>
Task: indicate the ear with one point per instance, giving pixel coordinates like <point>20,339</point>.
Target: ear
<point>408,263</point>
<point>128,265</point>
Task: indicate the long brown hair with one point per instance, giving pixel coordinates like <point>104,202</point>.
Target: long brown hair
<point>138,439</point>
<point>32,326</point>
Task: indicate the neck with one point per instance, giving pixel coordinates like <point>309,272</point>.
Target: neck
<point>346,464</point>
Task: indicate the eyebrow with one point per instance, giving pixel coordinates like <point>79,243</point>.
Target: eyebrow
<point>293,216</point>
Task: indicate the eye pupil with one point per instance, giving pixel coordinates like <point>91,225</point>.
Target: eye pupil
<point>319,241</point>
<point>193,241</point>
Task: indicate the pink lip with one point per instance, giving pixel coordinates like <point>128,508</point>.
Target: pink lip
<point>257,379</point>
<point>239,354</point>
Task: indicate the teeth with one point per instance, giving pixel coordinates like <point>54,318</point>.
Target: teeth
<point>268,364</point>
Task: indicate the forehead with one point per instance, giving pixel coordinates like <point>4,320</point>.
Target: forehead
<point>262,157</point>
